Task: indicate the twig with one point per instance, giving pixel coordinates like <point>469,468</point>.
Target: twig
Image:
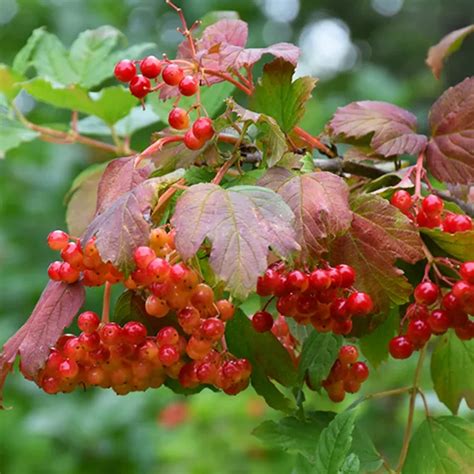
<point>186,32</point>
<point>106,303</point>
<point>228,78</point>
<point>338,165</point>
<point>167,195</point>
<point>314,142</point>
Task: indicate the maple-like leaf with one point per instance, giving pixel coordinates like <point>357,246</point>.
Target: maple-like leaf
<point>391,129</point>
<point>55,310</point>
<point>379,235</point>
<point>450,151</point>
<point>241,223</point>
<point>447,46</point>
<point>119,177</point>
<point>125,224</point>
<point>320,202</point>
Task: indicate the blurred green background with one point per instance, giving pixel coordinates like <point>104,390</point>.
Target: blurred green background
<point>363,49</point>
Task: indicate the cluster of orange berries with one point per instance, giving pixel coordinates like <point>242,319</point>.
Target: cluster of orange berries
<point>324,297</point>
<point>346,375</point>
<point>173,75</point>
<point>127,358</point>
<point>430,213</point>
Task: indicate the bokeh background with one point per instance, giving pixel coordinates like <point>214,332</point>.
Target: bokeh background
<point>360,49</point>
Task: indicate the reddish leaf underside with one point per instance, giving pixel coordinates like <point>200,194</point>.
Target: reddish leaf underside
<point>55,310</point>
<point>393,129</point>
<point>241,223</point>
<point>448,45</point>
<point>320,202</point>
<point>450,151</point>
<point>379,235</point>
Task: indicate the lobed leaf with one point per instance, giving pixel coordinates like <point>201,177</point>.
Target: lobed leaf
<point>54,311</point>
<point>13,133</point>
<point>450,151</point>
<point>241,223</point>
<point>320,203</point>
<point>391,129</point>
<point>379,235</point>
<point>441,445</point>
<point>459,245</point>
<point>9,80</point>
<point>451,361</point>
<point>447,46</point>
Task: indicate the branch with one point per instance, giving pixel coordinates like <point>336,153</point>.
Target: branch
<point>314,142</point>
<point>338,165</point>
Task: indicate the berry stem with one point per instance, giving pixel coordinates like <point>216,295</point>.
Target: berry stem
<point>223,170</point>
<point>157,146</point>
<point>167,195</point>
<point>227,77</point>
<point>185,31</point>
<point>106,303</point>
<point>418,175</point>
<point>314,142</point>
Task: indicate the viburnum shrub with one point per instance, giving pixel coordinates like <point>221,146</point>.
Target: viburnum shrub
<point>248,250</point>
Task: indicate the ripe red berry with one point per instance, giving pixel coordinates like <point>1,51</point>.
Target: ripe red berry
<point>167,336</point>
<point>172,74</point>
<point>453,223</point>
<point>90,341</point>
<point>72,254</point>
<point>360,304</point>
<point>402,200</point>
<point>341,327</point>
<point>110,334</point>
<point>262,321</point>
<point>125,70</point>
<point>150,67</point>
<point>400,347</point>
<point>339,309</point>
<point>192,142</point>
<point>159,269</point>
<point>359,372</point>
<point>450,302</point>
<point>297,281</point>
<point>418,332</point>
<point>426,292</point>
<point>268,282</point>
<point>348,354</point>
<point>57,240</point>
<point>467,272</point>
<point>88,322</point>
<point>140,86</point>
<point>319,280</point>
<point>212,329</point>
<point>68,273</point>
<point>188,85</point>
<point>203,129</point>
<point>68,369</point>
<point>53,271</point>
<point>432,205</point>
<point>143,256</point>
<point>424,220</point>
<point>134,332</point>
<point>347,274</point>
<point>168,355</point>
<point>178,118</point>
<point>438,321</point>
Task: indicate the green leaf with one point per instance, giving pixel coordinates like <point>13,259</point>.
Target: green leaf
<point>374,346</point>
<point>363,447</point>
<point>443,445</point>
<point>334,443</point>
<point>307,163</point>
<point>9,82</point>
<point>351,465</point>
<point>452,366</point>
<point>459,245</point>
<point>317,357</point>
<point>23,59</point>
<point>110,104</point>
<point>302,466</point>
<point>13,133</point>
<point>277,96</point>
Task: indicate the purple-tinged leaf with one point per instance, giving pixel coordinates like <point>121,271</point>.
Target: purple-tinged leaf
<point>450,152</point>
<point>392,129</point>
<point>379,235</point>
<point>241,223</point>
<point>286,51</point>
<point>119,177</point>
<point>55,310</point>
<point>125,224</point>
<point>224,32</point>
<point>320,202</point>
<point>447,46</point>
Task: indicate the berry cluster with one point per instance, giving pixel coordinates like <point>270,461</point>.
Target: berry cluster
<point>430,213</point>
<point>127,358</point>
<point>324,298</point>
<point>281,331</point>
<point>346,375</point>
<point>173,75</point>
<point>434,313</point>
<point>80,263</point>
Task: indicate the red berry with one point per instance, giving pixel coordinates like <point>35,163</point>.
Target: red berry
<point>347,274</point>
<point>140,86</point>
<point>72,254</point>
<point>188,85</point>
<point>462,223</point>
<point>319,280</point>
<point>68,273</point>
<point>400,347</point>
<point>143,256</point>
<point>125,70</point>
<point>438,321</point>
<point>50,385</point>
<point>53,271</point>
<point>189,319</point>
<point>297,281</point>
<point>402,200</point>
<point>172,74</point>
<point>417,311</point>
<point>450,302</point>
<point>262,321</point>
<point>134,332</point>
<point>360,304</point>
<point>57,240</point>
<point>432,205</point>
<point>90,341</point>
<point>192,142</point>
<point>341,327</point>
<point>267,284</point>
<point>158,269</point>
<point>348,354</point>
<point>68,369</point>
<point>167,336</point>
<point>424,220</point>
<point>88,322</point>
<point>418,332</point>
<point>359,372</point>
<point>467,272</point>
<point>203,129</point>
<point>168,355</point>
<point>150,67</point>
<point>110,334</point>
<point>426,292</point>
<point>178,118</point>
<point>212,329</point>
<point>339,309</point>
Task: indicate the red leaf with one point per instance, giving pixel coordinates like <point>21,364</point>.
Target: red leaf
<point>448,45</point>
<point>450,152</point>
<point>224,32</point>
<point>286,51</point>
<point>392,128</point>
<point>320,203</point>
<point>55,310</point>
<point>379,235</point>
<point>119,177</point>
